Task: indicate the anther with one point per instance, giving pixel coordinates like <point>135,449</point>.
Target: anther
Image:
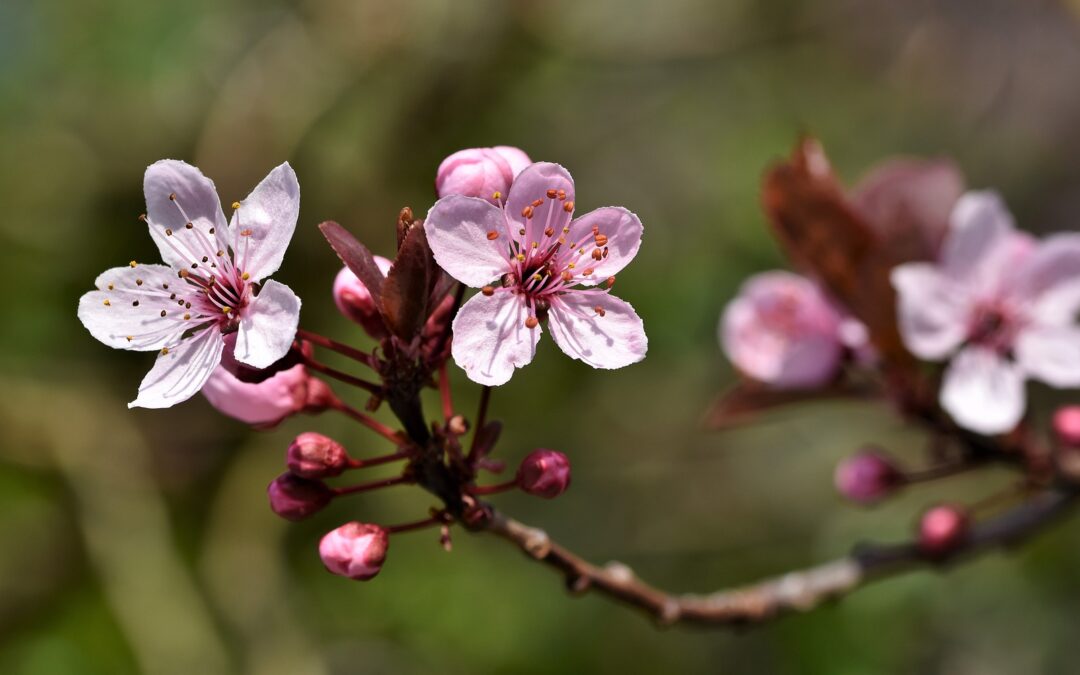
<point>496,195</point>
<point>549,231</point>
<point>165,286</point>
<point>183,274</point>
<point>168,231</point>
<point>189,225</point>
<point>531,322</point>
<point>566,230</point>
<point>220,253</point>
<point>142,217</point>
<point>133,263</point>
<point>522,231</point>
<point>568,207</point>
<point>561,194</point>
<point>172,196</point>
<point>601,240</point>
<point>488,290</point>
<point>129,337</point>
<point>610,282</point>
<point>187,305</point>
<point>172,296</point>
<point>535,244</point>
<point>599,310</point>
<point>527,212</point>
<point>194,266</point>
<point>562,240</point>
<point>186,317</point>
<point>588,272</point>
<point>135,303</point>
<point>180,302</point>
<point>226,310</point>
<point>597,254</point>
<point>551,194</point>
<point>538,202</point>
<point>566,276</point>
<point>212,230</point>
<point>163,313</point>
<point>520,257</point>
<point>570,266</point>
<point>605,252</point>
<point>245,232</point>
<point>204,258</point>
<point>107,303</point>
<point>236,205</point>
<point>164,351</point>
<point>110,287</point>
<point>493,235</point>
<point>595,230</point>
<point>245,276</point>
<point>536,277</point>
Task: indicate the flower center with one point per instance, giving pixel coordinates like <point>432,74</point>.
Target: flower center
<point>993,325</point>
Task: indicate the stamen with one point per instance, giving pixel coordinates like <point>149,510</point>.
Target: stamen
<point>488,291</point>
<point>164,351</point>
<point>107,303</point>
<point>527,212</point>
<point>493,235</point>
<point>561,194</point>
<point>163,313</point>
<point>204,258</point>
<point>605,252</point>
<point>168,231</point>
<point>110,287</point>
<point>610,282</point>
<point>599,310</point>
<point>189,225</point>
<point>549,231</point>
<point>601,240</point>
<point>520,257</point>
<point>566,276</point>
<point>531,322</point>
<point>537,202</point>
<point>597,254</point>
<point>142,217</point>
<point>522,231</point>
<point>133,264</point>
<point>135,303</point>
<point>551,194</point>
<point>245,276</point>
<point>535,244</point>
<point>588,272</point>
<point>236,205</point>
<point>172,196</point>
<point>496,195</point>
<point>226,310</point>
<point>568,207</point>
<point>186,317</point>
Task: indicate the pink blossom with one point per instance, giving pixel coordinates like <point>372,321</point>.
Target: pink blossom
<point>547,265</point>
<point>1000,306</point>
<point>212,282</point>
<point>782,330</point>
<point>353,299</point>
<point>355,550</point>
<point>313,455</point>
<point>485,173</point>
<point>263,403</point>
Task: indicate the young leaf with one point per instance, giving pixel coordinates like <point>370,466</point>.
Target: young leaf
<point>355,256</point>
<point>405,293</point>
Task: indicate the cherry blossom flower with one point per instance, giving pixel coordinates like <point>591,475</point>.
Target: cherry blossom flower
<point>1000,306</point>
<point>211,285</point>
<point>784,331</point>
<point>547,265</point>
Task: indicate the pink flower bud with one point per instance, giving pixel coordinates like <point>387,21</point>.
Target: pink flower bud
<point>782,330</point>
<point>262,404</point>
<point>312,455</point>
<point>867,477</point>
<point>943,528</point>
<point>355,550</point>
<point>480,172</point>
<point>544,473</point>
<point>1066,425</point>
<point>354,300</point>
<point>296,498</point>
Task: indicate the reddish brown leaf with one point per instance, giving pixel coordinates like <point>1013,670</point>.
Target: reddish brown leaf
<point>408,286</point>
<point>355,255</point>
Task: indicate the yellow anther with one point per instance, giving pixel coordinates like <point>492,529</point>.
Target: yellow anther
<point>186,317</point>
<point>236,205</point>
<point>245,276</point>
<point>110,287</point>
<point>488,290</point>
<point>520,257</point>
<point>138,282</point>
<point>531,322</point>
<point>133,263</point>
<point>107,303</point>
<point>226,310</point>
<point>130,338</point>
<point>164,351</point>
<point>496,195</point>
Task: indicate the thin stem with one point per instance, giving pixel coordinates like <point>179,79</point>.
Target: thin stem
<point>940,471</point>
<point>444,391</point>
<point>416,525</point>
<point>481,418</point>
<point>375,461</point>
<point>369,422</point>
<point>343,349</point>
<point>494,489</point>
<point>373,485</point>
<point>369,387</point>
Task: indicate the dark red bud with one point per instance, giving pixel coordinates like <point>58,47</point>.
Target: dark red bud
<point>296,498</point>
<point>867,477</point>
<point>544,473</point>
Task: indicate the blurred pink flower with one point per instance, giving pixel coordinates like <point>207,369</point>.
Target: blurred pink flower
<point>782,330</point>
<point>353,299</point>
<point>209,286</point>
<point>355,550</point>
<point>542,257</point>
<point>1001,305</point>
<point>485,173</point>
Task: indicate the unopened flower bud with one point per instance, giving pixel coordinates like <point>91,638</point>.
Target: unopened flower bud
<point>544,473</point>
<point>867,477</point>
<point>480,172</point>
<point>296,498</point>
<point>942,528</point>
<point>261,404</point>
<point>1066,425</point>
<point>312,455</point>
<point>355,550</point>
<point>353,299</point>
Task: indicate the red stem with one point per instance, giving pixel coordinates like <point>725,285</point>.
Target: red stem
<point>494,489</point>
<point>369,422</point>
<point>481,418</point>
<point>369,387</point>
<point>375,461</point>
<point>415,525</point>
<point>343,349</point>
<point>444,391</point>
<point>373,485</point>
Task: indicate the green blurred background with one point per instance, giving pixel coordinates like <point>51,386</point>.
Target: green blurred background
<point>140,541</point>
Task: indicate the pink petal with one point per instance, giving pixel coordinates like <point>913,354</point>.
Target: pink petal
<point>623,231</point>
<point>269,213</point>
<point>932,310</point>
<point>196,202</point>
<point>264,402</point>
<point>180,374</point>
<point>978,224</point>
<point>984,392</point>
<point>1050,354</point>
<point>1050,278</point>
<point>475,172</point>
<point>613,340</point>
<point>531,185</point>
<point>268,326</point>
<point>457,229</point>
<point>490,337</point>
<point>515,157</point>
<point>122,324</point>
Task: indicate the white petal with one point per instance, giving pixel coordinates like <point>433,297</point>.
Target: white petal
<point>1050,354</point>
<point>491,339</point>
<point>457,230</point>
<point>268,326</point>
<point>932,310</point>
<point>978,223</point>
<point>121,323</point>
<point>984,392</point>
<point>180,374</point>
<point>196,202</point>
<point>1050,278</point>
<point>613,340</point>
<point>269,213</point>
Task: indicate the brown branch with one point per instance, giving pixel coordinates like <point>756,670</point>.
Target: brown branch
<point>797,591</point>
